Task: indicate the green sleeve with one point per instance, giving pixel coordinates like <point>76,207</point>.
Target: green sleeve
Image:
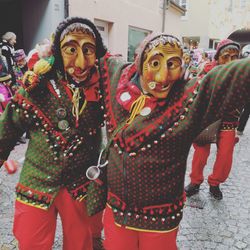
<point>222,91</point>
<point>12,127</point>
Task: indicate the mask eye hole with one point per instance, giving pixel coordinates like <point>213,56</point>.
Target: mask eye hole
<point>88,50</point>
<point>170,65</point>
<point>174,63</point>
<point>70,50</point>
<point>155,63</point>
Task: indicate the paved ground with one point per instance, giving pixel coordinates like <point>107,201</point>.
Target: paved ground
<point>220,225</point>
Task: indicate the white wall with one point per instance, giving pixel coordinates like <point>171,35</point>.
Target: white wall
<point>40,19</point>
<point>143,14</point>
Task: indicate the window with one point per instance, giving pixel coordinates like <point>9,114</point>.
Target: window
<point>242,4</point>
<point>230,7</point>
<point>213,43</point>
<point>135,36</point>
<point>103,28</point>
<point>184,4</point>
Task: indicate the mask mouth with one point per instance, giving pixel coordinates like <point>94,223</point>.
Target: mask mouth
<point>164,88</point>
<point>159,86</point>
<point>78,74</point>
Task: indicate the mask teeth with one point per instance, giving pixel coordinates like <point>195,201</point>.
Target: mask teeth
<point>152,85</point>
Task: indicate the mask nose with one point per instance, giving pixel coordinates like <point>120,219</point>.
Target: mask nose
<point>80,61</point>
<point>162,74</point>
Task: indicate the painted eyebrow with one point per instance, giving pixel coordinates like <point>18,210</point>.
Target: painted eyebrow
<point>158,54</point>
<point>89,44</point>
<point>77,44</point>
<point>174,58</point>
<point>69,43</point>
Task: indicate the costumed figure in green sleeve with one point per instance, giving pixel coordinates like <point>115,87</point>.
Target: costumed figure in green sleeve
<point>60,107</point>
<point>152,116</point>
<point>225,136</point>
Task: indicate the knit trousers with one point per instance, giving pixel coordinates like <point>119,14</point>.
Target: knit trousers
<point>223,162</point>
<point>120,238</point>
<point>34,228</point>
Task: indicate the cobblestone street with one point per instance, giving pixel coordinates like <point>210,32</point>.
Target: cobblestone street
<point>207,223</point>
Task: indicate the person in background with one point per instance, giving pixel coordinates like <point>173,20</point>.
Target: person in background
<point>188,66</point>
<point>5,86</point>
<point>60,106</point>
<point>187,60</point>
<point>227,51</point>
<point>20,66</point>
<point>205,60</point>
<point>7,49</point>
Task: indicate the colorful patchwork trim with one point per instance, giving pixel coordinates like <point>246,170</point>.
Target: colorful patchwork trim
<point>229,125</point>
<point>79,193</point>
<point>33,197</point>
<point>162,217</point>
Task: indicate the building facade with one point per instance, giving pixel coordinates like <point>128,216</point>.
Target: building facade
<point>124,23</point>
<point>209,21</point>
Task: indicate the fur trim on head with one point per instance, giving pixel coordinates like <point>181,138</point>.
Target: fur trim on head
<point>151,41</point>
<point>100,48</point>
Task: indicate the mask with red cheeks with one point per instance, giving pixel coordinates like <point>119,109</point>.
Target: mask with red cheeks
<point>228,55</point>
<point>78,51</point>
<point>162,67</point>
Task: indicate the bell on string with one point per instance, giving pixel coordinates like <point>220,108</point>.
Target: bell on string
<point>93,173</point>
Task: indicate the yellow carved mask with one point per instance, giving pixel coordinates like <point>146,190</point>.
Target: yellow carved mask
<point>78,51</point>
<point>161,68</point>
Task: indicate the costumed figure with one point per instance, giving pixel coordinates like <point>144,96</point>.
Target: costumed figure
<point>20,66</point>
<point>227,51</point>
<point>60,106</point>
<point>152,117</point>
<point>190,70</point>
<point>7,49</point>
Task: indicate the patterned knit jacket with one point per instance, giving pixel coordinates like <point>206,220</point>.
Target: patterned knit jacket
<point>147,159</point>
<point>56,157</point>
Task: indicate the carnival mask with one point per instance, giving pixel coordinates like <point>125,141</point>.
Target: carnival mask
<point>161,68</point>
<point>228,55</point>
<point>78,51</point>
